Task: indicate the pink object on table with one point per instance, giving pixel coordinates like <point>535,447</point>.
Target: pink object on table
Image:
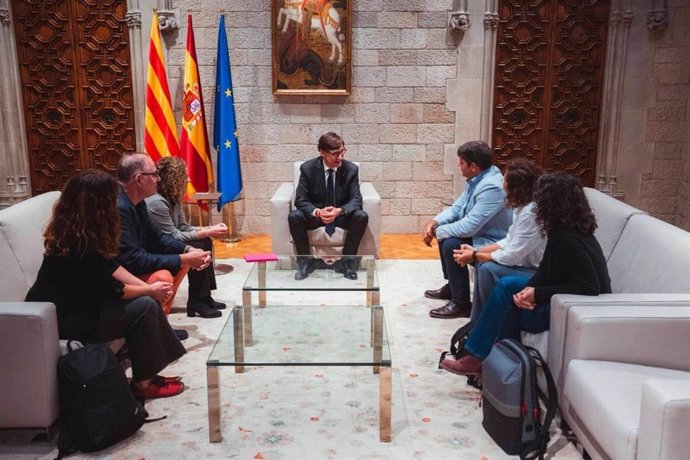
<point>260,257</point>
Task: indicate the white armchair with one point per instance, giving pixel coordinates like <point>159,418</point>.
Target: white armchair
<point>282,203</point>
<point>626,380</point>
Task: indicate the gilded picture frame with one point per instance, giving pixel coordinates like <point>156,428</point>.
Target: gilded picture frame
<point>312,45</point>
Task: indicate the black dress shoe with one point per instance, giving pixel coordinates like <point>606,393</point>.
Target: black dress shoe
<point>181,334</point>
<point>214,304</point>
<point>304,268</point>
<point>350,273</point>
<point>440,294</point>
<point>452,310</point>
<point>200,308</point>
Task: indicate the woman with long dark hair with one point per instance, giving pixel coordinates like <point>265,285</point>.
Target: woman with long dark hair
<point>98,300</point>
<point>573,263</point>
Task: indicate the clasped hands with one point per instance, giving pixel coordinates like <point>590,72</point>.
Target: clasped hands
<point>328,214</point>
<point>525,299</point>
<point>463,256</point>
<point>197,259</point>
<point>161,291</point>
<point>216,231</point>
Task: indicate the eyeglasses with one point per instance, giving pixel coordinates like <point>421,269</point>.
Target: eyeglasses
<point>337,153</point>
<point>153,174</point>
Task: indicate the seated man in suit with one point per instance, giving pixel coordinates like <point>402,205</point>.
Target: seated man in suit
<point>328,195</point>
<point>477,218</point>
<point>145,250</point>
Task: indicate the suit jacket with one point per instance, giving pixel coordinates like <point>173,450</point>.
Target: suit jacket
<point>311,189</point>
<point>143,247</point>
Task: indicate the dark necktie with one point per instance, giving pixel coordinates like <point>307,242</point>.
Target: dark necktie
<point>330,200</point>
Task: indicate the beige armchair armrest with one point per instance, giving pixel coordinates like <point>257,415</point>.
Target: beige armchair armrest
<point>281,204</point>
<point>561,305</point>
<point>664,420</point>
<point>29,340</point>
<point>657,336</point>
<point>371,204</point>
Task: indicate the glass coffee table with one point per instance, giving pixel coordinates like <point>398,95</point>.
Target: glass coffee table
<point>302,335</point>
<point>279,275</point>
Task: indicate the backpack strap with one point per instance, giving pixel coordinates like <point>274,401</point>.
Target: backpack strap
<point>537,448</point>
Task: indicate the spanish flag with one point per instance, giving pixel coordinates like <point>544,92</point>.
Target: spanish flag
<point>160,136</point>
<point>194,139</point>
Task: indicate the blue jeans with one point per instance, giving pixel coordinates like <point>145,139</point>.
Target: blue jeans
<point>486,275</point>
<point>458,276</point>
<point>501,319</point>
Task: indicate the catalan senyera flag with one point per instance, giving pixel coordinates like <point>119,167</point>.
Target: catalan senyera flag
<point>194,139</point>
<point>160,136</point>
<point>225,139</point>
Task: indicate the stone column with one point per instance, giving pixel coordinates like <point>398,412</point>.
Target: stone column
<point>14,169</point>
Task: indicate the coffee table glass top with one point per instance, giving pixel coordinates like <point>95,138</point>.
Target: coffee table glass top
<point>280,276</point>
<point>306,336</point>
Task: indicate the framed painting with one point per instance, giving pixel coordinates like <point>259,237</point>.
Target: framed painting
<point>312,43</point>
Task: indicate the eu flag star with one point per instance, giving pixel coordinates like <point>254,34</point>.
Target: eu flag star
<point>235,133</point>
<point>228,92</point>
<point>227,144</point>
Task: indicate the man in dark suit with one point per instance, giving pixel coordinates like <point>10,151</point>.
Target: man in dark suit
<point>328,195</point>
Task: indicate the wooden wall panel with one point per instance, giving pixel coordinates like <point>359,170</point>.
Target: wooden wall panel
<point>548,85</point>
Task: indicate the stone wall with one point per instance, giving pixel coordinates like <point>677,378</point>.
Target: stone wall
<point>395,123</point>
<point>665,190</point>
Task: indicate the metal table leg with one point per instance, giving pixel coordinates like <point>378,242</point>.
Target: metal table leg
<point>385,404</point>
<point>247,317</point>
<point>213,394</point>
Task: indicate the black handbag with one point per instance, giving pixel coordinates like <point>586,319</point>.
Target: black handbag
<point>457,351</point>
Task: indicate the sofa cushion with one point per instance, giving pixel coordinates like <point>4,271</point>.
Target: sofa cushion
<point>605,398</point>
<point>651,256</point>
<point>21,243</point>
<point>612,216</point>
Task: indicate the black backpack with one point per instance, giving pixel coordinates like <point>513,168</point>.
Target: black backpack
<point>457,351</point>
<point>97,407</point>
<point>510,403</point>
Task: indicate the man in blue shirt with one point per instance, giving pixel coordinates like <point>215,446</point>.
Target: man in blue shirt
<point>478,218</point>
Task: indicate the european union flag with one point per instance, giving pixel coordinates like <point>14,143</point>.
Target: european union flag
<point>224,126</point>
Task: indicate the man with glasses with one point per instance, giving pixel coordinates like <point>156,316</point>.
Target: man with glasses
<point>144,250</point>
<point>328,196</point>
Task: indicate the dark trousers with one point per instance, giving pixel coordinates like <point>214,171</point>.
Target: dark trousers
<point>201,283</point>
<point>458,276</point>
<point>151,342</point>
<point>355,223</point>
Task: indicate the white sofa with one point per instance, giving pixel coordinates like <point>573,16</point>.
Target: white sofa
<point>282,203</point>
<point>622,361</point>
<point>28,330</point>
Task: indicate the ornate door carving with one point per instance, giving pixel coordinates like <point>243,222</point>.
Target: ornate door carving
<point>76,86</point>
<point>548,86</point>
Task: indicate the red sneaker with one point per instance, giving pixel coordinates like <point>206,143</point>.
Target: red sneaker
<point>467,365</point>
<point>158,389</point>
<point>174,379</point>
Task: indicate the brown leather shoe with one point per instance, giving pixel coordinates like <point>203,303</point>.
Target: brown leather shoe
<point>440,294</point>
<point>467,365</point>
<point>452,310</point>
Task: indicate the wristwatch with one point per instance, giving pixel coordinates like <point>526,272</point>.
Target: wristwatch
<point>187,249</point>
<point>474,256</point>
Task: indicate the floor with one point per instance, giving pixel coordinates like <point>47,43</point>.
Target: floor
<point>393,246</point>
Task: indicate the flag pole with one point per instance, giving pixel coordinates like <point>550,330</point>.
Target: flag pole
<point>232,236</point>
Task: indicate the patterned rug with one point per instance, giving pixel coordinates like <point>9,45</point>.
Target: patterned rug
<point>316,412</point>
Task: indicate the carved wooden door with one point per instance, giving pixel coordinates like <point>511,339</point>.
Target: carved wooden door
<point>548,87</point>
<point>76,86</point>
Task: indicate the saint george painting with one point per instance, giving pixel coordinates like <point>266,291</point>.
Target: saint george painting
<point>312,40</point>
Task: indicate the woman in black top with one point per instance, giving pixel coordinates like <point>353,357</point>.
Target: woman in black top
<point>573,263</point>
<point>97,300</point>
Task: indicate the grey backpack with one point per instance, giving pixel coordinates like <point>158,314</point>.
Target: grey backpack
<point>511,412</point>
